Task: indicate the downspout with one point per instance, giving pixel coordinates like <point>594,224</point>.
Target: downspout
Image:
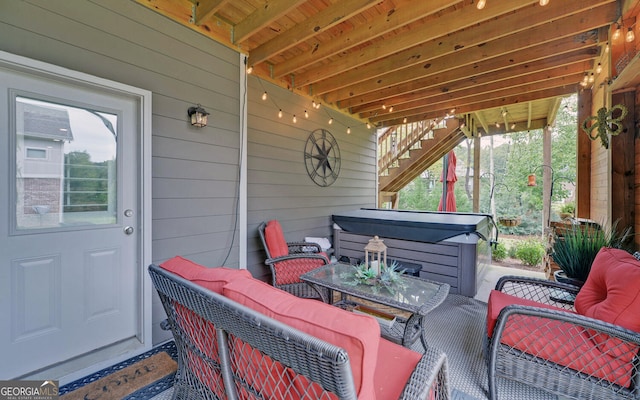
<point>242,160</point>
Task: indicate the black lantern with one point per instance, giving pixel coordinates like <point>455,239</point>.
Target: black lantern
<point>198,116</point>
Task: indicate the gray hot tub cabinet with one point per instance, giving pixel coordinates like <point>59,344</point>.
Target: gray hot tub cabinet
<point>453,248</point>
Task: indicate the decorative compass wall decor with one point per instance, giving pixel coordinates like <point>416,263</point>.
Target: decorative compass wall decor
<point>322,157</point>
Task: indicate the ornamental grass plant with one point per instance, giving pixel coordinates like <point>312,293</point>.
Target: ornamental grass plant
<point>576,246</point>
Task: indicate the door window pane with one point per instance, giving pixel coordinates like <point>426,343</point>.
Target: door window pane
<point>65,165</point>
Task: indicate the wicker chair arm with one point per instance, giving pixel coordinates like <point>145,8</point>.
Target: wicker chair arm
<point>539,290</point>
<point>430,374</point>
<point>271,261</point>
<point>304,247</point>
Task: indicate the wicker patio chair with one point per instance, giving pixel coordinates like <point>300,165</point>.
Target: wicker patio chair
<point>289,260</point>
<point>229,351</point>
<point>536,335</point>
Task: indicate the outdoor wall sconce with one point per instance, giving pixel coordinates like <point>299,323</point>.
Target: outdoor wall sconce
<point>198,116</point>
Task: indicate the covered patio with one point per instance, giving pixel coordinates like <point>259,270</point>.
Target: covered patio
<point>369,77</point>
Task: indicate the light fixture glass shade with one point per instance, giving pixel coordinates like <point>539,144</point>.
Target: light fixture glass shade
<point>616,33</point>
<point>198,115</point>
<point>630,36</point>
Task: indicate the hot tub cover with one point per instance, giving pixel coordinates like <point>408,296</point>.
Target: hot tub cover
<point>421,226</point>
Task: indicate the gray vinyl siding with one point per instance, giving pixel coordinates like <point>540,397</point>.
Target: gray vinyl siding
<point>194,171</point>
<point>278,184</point>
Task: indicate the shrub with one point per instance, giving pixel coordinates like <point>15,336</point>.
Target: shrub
<point>512,252</point>
<point>530,252</point>
<point>499,251</point>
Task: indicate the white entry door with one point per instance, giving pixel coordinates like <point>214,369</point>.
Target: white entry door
<point>70,273</point>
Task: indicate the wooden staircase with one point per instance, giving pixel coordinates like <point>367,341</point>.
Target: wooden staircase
<point>405,151</point>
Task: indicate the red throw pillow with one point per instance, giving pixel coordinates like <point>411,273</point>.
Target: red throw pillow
<point>274,237</point>
<point>611,292</point>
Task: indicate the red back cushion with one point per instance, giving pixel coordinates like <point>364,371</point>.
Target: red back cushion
<point>358,335</point>
<point>612,290</point>
<point>274,237</point>
<point>211,278</point>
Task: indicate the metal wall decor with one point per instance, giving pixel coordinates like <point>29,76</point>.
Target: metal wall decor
<point>322,157</point>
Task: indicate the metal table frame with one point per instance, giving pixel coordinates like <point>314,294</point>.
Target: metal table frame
<point>404,331</point>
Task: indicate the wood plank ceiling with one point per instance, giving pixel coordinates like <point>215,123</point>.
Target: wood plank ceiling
<point>393,61</point>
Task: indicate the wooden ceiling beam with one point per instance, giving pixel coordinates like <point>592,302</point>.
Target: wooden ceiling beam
<point>468,75</point>
<point>405,12</point>
<point>205,9</point>
<point>433,38</point>
<point>310,27</point>
<point>528,45</point>
<point>431,113</point>
<point>262,17</point>
<point>465,88</point>
<point>442,101</point>
<point>481,65</point>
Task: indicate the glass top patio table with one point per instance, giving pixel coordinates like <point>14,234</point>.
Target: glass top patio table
<point>409,293</point>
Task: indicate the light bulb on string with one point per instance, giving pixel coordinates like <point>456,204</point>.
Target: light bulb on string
<point>544,2</point>
<point>404,120</point>
<point>306,114</point>
<point>497,125</point>
<point>481,4</point>
<point>384,107</point>
<point>294,119</point>
<point>250,70</point>
<point>280,114</point>
<point>606,47</point>
<point>264,96</point>
<point>592,78</point>
<point>348,130</point>
<point>617,33</point>
<point>599,68</point>
<point>368,125</point>
<point>313,104</point>
<point>391,109</point>
<point>330,121</point>
<point>630,36</point>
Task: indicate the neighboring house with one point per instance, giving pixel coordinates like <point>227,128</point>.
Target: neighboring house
<point>41,134</point>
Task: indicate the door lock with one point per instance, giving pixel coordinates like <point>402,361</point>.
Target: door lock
<point>128,230</point>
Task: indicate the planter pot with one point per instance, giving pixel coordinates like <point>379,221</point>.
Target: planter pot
<point>561,276</point>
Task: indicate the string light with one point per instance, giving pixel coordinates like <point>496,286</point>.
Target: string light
<point>497,125</point>
<point>280,114</point>
<point>306,114</point>
<point>391,109</point>
<point>599,68</point>
<point>264,96</point>
<point>384,107</point>
<point>404,120</point>
<point>630,36</point>
<point>544,2</point>
<point>348,130</point>
<point>592,78</point>
<point>250,70</point>
<point>617,33</point>
<point>294,119</point>
<point>606,47</point>
<point>330,121</point>
<point>368,125</point>
<point>481,4</point>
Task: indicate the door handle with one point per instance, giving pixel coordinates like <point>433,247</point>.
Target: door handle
<point>128,230</point>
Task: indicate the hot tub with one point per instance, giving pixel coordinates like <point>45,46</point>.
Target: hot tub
<point>453,248</point>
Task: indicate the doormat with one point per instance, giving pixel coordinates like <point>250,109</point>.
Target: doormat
<point>141,377</point>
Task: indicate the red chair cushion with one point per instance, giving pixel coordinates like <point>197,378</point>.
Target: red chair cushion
<point>274,237</point>
<point>393,370</point>
<point>499,300</point>
<point>211,278</point>
<point>358,335</point>
<point>611,292</point>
